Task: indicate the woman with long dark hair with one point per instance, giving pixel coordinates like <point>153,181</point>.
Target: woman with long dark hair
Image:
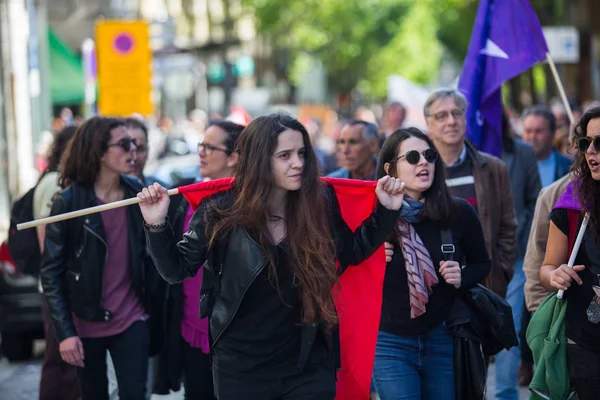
<point>582,318</point>
<point>415,351</point>
<point>96,275</point>
<point>271,244</point>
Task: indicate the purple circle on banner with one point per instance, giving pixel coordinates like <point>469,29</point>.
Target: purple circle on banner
<point>123,43</point>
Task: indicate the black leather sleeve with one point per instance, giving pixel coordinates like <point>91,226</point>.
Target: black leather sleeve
<point>53,271</point>
<point>178,261</point>
<point>355,247</point>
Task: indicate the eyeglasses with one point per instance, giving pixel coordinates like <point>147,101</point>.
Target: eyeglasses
<point>413,156</point>
<point>442,116</point>
<point>124,143</point>
<point>583,143</point>
<point>209,148</point>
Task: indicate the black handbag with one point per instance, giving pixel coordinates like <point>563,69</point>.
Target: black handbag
<point>470,367</point>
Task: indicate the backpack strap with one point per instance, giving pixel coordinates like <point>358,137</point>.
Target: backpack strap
<point>448,248</point>
<point>573,220</point>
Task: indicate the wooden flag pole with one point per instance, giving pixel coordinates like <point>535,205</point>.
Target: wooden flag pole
<point>561,89</point>
<point>85,211</point>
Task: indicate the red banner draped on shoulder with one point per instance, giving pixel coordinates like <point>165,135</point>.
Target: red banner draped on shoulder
<point>360,297</point>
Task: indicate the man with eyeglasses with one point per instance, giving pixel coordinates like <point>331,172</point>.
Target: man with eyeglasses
<point>479,178</point>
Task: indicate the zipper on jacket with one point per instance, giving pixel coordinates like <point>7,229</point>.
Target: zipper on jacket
<point>77,275</point>
<point>105,255</point>
<point>259,270</point>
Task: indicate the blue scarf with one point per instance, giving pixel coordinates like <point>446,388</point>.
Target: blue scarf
<point>411,210</point>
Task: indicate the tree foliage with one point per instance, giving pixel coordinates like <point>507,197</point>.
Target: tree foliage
<point>361,43</point>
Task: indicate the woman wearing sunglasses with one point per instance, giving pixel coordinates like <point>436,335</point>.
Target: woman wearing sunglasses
<point>415,352</point>
<point>96,275</point>
<point>582,321</point>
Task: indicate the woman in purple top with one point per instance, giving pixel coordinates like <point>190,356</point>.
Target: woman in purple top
<point>97,278</point>
<point>217,160</point>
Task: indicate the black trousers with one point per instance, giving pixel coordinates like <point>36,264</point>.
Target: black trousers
<point>197,373</point>
<point>129,352</point>
<point>584,372</point>
<point>314,383</point>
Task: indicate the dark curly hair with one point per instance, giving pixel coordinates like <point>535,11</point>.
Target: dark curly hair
<point>587,189</point>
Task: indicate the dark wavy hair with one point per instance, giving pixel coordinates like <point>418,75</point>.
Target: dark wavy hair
<point>59,145</point>
<point>439,206</point>
<point>311,247</point>
<point>81,160</point>
<point>587,189</point>
<point>232,130</point>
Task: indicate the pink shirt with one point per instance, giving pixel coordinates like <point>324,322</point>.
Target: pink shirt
<point>193,329</point>
<point>119,295</point>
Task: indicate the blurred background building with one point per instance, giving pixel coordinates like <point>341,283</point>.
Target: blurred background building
<point>315,58</point>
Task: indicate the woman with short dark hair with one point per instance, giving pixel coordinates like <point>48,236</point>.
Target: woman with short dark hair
<point>96,275</point>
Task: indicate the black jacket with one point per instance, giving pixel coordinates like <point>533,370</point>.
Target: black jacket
<point>74,255</point>
<point>233,267</point>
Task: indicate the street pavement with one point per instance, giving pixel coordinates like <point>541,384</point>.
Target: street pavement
<point>20,381</point>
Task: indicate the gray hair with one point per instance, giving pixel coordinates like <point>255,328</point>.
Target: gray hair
<point>442,93</point>
<point>370,130</point>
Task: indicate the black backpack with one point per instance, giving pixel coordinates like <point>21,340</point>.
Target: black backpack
<point>24,245</point>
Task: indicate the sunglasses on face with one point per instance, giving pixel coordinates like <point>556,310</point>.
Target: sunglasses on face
<point>124,143</point>
<point>583,143</point>
<point>413,156</point>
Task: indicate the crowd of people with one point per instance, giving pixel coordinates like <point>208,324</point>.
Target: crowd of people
<point>235,300</point>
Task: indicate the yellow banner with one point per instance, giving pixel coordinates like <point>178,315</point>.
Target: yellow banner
<point>124,68</point>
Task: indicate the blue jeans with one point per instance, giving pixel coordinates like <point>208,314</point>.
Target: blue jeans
<point>507,361</point>
<point>415,367</point>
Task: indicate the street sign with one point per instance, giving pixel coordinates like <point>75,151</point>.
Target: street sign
<point>563,43</point>
<point>124,62</point>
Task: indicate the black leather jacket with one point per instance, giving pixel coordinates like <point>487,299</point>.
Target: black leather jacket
<point>242,260</point>
<point>75,253</point>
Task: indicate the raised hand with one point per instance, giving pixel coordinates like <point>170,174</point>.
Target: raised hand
<point>154,204</point>
<point>390,192</point>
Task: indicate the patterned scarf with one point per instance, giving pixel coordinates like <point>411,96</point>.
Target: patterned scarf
<point>419,266</point>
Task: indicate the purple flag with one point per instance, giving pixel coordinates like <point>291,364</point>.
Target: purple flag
<point>507,40</point>
<point>567,199</point>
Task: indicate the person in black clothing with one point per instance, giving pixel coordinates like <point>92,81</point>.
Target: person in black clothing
<point>583,300</point>
<point>415,352</point>
<point>270,243</point>
<point>98,280</point>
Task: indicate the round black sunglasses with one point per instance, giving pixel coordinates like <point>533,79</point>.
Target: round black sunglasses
<point>124,143</point>
<point>583,143</point>
<point>413,156</point>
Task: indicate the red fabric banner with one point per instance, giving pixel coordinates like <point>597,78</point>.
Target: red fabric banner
<point>361,287</point>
